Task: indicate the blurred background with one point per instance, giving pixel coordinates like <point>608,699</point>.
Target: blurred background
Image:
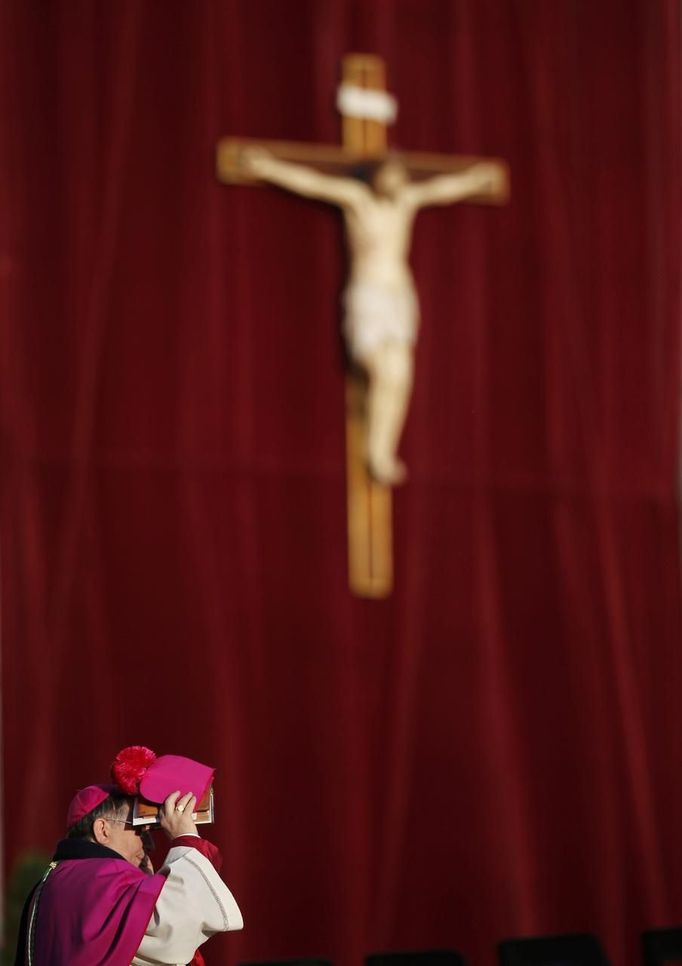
<point>493,750</point>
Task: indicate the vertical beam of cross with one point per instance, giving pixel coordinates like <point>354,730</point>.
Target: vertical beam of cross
<point>370,529</point>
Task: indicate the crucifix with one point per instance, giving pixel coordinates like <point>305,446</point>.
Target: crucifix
<point>379,194</point>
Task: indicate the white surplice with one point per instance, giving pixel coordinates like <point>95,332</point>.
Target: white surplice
<point>193,905</point>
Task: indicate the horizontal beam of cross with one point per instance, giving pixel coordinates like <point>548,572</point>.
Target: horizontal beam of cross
<point>336,160</point>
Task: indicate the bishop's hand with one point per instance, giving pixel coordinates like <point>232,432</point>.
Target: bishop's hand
<point>175,815</point>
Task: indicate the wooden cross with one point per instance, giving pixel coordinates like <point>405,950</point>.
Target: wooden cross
<point>370,555</point>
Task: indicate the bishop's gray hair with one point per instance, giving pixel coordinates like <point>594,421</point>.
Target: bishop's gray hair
<point>112,806</point>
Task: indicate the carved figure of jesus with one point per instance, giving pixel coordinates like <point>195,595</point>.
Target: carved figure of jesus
<point>381,308</point>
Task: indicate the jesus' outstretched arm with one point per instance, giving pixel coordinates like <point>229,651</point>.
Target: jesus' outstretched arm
<point>302,180</point>
<point>480,179</point>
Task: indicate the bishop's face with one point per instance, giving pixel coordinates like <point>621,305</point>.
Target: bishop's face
<point>119,834</point>
<point>390,178</point>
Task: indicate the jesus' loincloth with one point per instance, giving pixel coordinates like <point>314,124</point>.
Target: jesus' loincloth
<point>376,314</point>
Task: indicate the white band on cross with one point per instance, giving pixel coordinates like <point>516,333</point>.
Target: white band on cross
<point>371,105</point>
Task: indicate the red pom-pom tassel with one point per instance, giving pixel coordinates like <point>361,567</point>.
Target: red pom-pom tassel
<point>129,766</point>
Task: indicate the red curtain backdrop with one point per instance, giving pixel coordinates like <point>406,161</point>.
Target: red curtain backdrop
<point>496,749</point>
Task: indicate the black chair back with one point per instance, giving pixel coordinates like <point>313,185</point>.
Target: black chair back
<point>573,949</point>
<point>662,947</point>
<point>427,957</point>
<point>294,961</point>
